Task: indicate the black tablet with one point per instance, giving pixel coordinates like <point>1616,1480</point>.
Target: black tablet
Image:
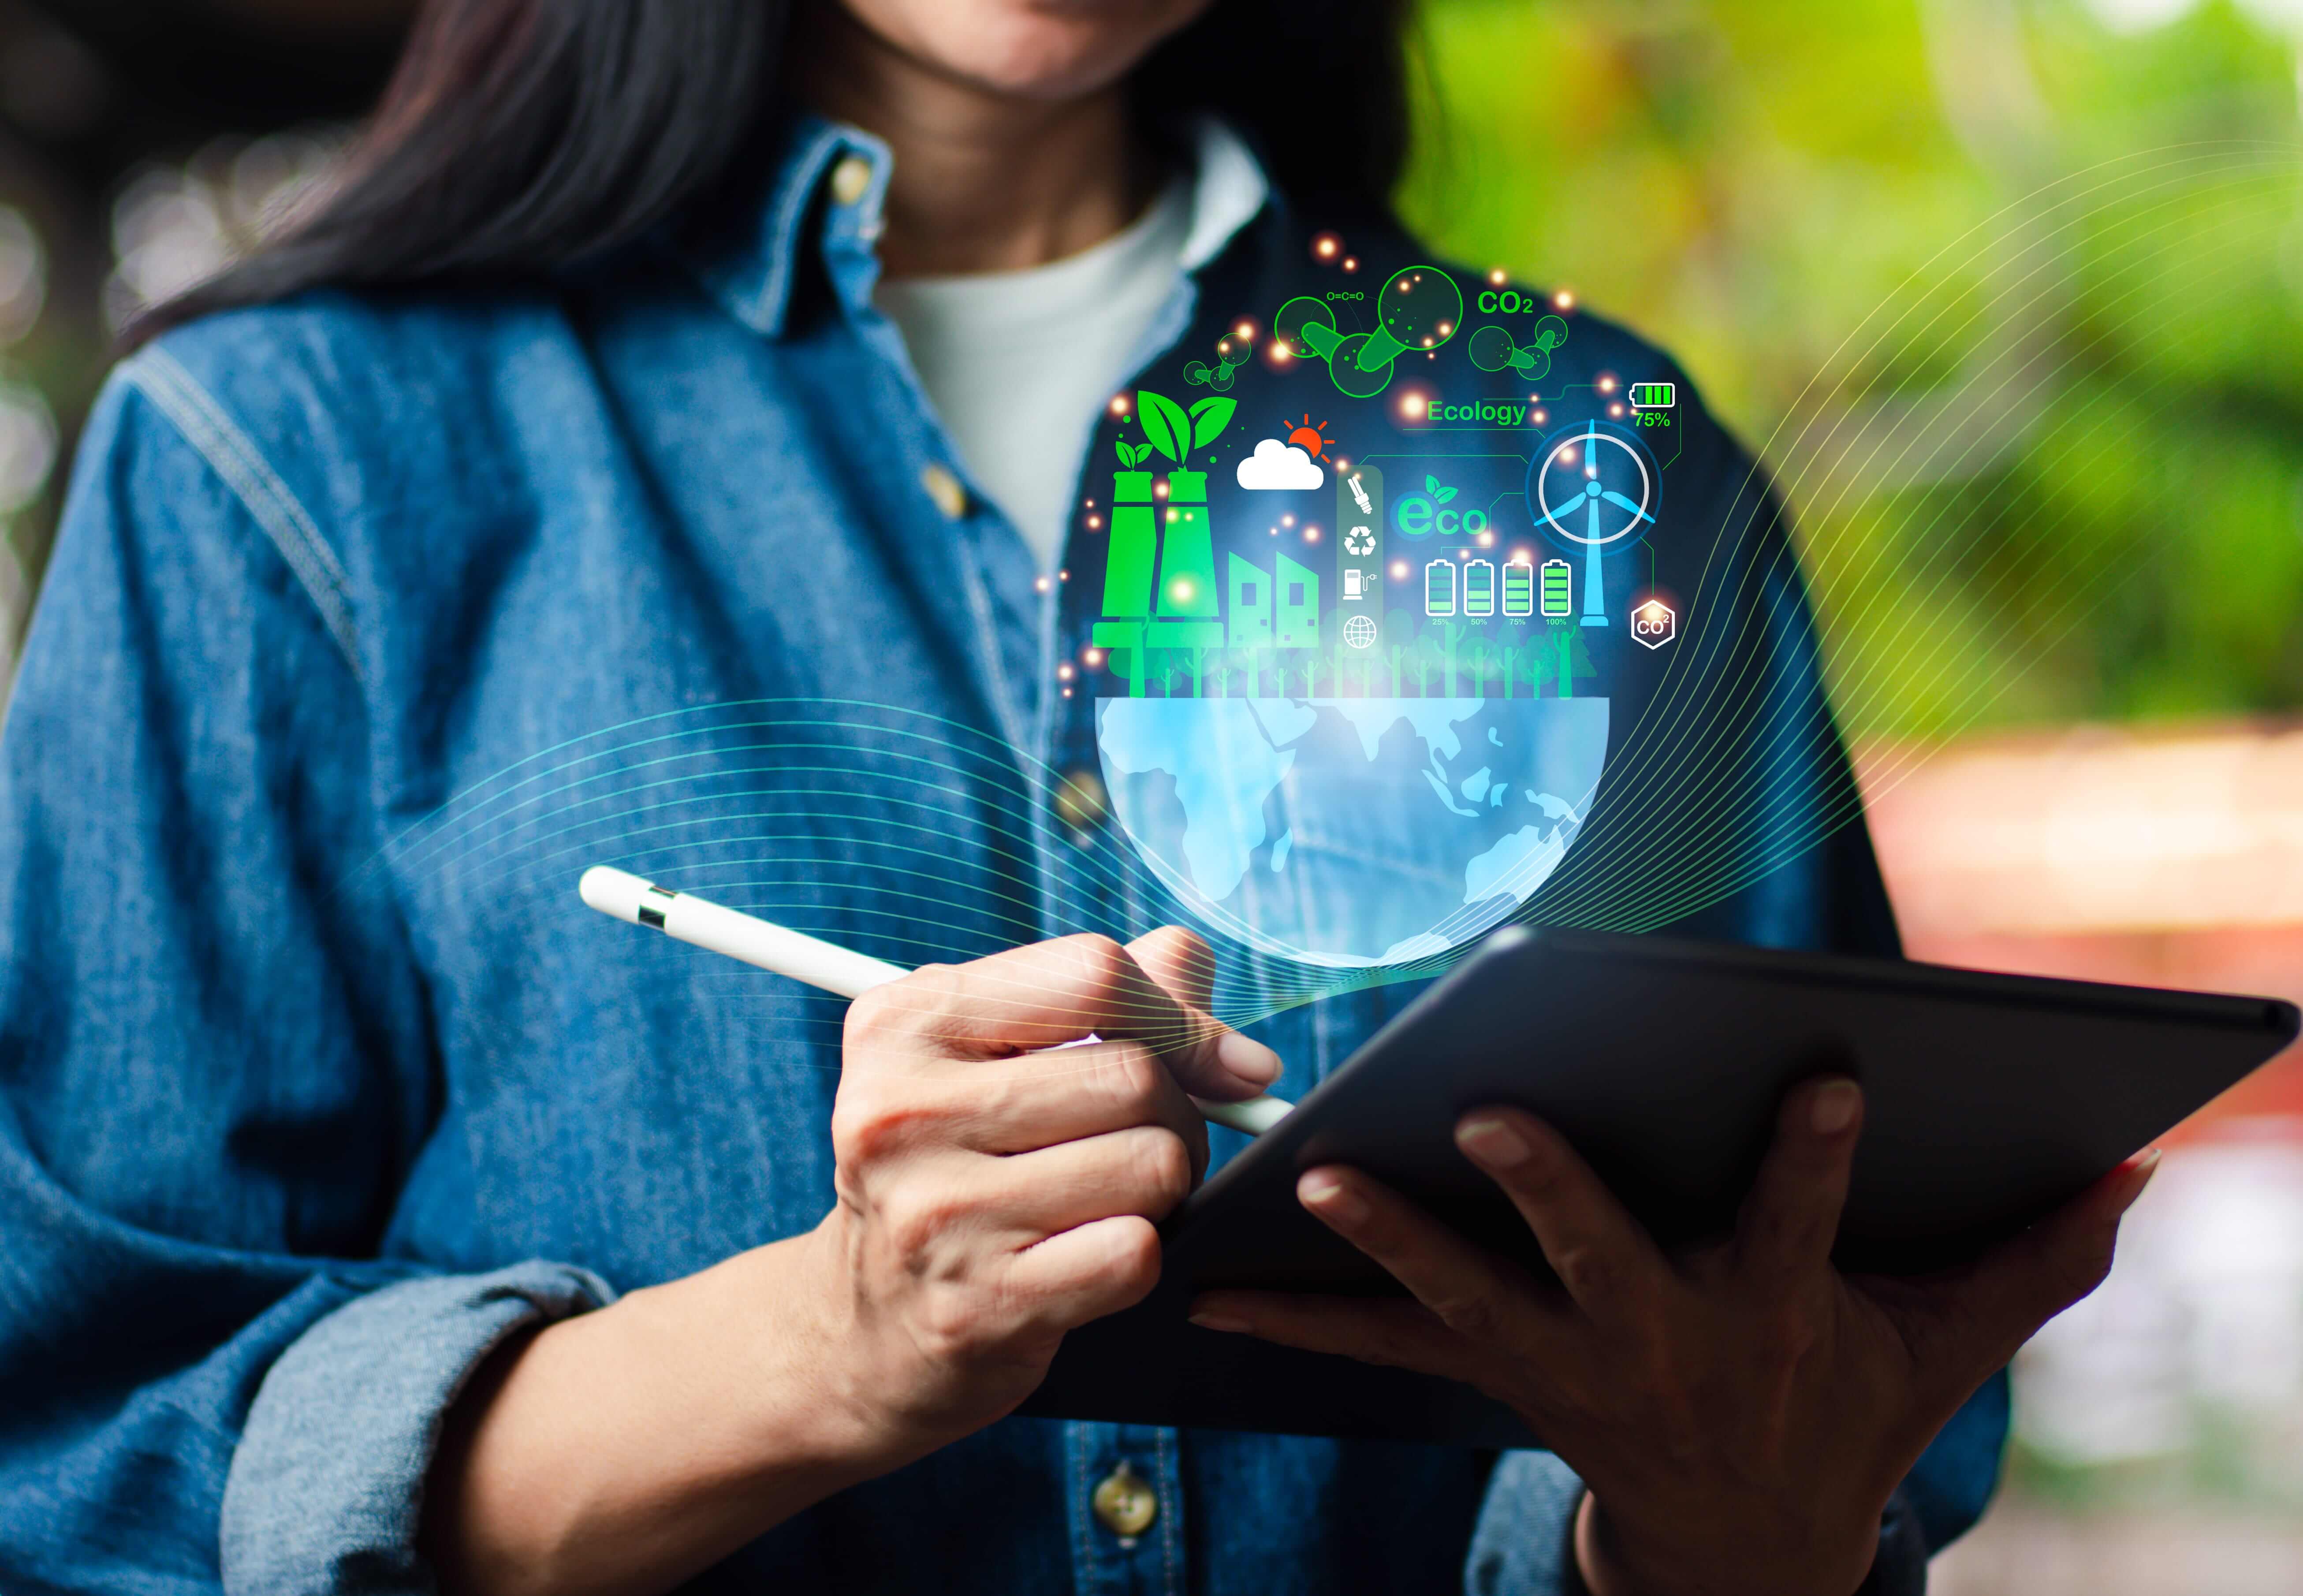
<point>1989,1100</point>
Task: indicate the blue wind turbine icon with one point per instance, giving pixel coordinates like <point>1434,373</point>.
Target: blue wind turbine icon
<point>1596,490</point>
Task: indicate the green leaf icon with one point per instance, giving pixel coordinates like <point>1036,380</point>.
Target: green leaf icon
<point>1444,495</point>
<point>1209,417</point>
<point>1430,484</point>
<point>1165,423</point>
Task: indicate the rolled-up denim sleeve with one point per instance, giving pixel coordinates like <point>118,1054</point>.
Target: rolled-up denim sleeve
<point>216,1064</point>
<point>324,1487</point>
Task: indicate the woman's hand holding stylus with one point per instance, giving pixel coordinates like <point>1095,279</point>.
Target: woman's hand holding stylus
<point>992,1198</point>
<point>990,1195</point>
<point>1747,1397</point>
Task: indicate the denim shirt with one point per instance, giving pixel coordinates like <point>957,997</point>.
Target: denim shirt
<point>372,620</point>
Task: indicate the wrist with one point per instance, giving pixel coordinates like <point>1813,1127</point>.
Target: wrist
<point>1612,1560</point>
<point>625,1450</point>
<point>778,1370</point>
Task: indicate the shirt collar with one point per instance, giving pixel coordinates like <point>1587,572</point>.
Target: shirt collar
<point>1229,189</point>
<point>747,262</point>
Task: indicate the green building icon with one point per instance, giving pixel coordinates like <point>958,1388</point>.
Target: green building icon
<point>1297,589</point>
<point>1278,610</point>
<point>1251,604</point>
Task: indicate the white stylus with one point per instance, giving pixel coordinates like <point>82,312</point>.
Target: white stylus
<point>686,918</point>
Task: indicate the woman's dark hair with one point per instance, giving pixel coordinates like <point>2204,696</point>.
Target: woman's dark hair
<point>520,135</point>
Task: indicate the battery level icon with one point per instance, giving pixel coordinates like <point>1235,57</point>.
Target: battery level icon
<point>1519,589</point>
<point>1653,396</point>
<point>1440,587</point>
<point>1479,588</point>
<point>1557,600</point>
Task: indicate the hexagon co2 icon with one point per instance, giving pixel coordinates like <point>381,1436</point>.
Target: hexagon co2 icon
<point>1654,623</point>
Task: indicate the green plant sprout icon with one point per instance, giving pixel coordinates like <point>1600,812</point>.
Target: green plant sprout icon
<point>1232,352</point>
<point>1493,348</point>
<point>1418,310</point>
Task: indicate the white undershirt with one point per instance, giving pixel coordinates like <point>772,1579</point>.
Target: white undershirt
<point>1020,364</point>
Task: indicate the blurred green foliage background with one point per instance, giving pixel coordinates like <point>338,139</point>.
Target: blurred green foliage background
<point>2080,230</point>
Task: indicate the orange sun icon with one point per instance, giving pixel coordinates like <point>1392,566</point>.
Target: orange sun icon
<point>1308,437</point>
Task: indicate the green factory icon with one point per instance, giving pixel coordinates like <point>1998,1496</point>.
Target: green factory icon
<point>1159,586</point>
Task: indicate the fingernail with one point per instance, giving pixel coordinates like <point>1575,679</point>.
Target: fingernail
<point>1331,1197</point>
<point>1230,1327</point>
<point>1834,1106</point>
<point>2145,1167</point>
<point>1492,1141</point>
<point>1247,1058</point>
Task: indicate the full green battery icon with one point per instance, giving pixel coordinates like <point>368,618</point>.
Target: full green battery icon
<point>1653,396</point>
<point>1557,600</point>
<point>1519,589</point>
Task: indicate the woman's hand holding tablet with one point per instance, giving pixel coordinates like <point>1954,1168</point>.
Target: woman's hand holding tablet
<point>1746,1394</point>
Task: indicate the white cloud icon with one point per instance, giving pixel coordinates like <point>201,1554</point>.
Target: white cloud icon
<point>1276,465</point>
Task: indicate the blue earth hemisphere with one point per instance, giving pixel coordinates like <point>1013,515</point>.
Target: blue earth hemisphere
<point>1351,832</point>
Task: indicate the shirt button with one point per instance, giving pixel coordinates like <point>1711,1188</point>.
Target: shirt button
<point>944,489</point>
<point>1081,801</point>
<point>849,178</point>
<point>1126,1505</point>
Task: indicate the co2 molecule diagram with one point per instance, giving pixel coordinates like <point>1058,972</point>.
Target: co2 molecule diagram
<point>1232,352</point>
<point>1418,310</point>
<point>1493,348</point>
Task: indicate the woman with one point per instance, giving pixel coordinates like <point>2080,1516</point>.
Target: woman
<point>371,1223</point>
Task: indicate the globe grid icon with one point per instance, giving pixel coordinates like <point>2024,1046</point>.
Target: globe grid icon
<point>1359,632</point>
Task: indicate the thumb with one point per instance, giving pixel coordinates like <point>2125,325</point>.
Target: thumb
<point>2025,1281</point>
<point>1183,967</point>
